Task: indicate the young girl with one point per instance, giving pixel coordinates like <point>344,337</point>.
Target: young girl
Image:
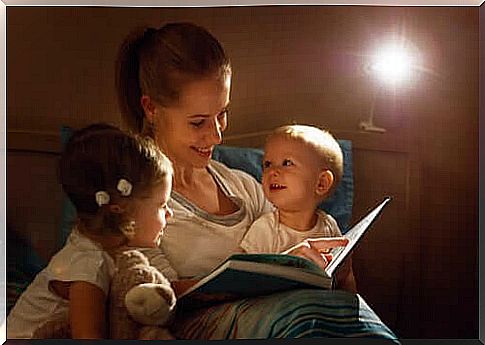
<point>120,185</point>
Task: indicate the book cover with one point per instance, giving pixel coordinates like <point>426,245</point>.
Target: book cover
<point>247,275</point>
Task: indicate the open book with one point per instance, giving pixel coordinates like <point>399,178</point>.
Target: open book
<point>245,275</point>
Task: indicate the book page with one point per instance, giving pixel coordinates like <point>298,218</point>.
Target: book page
<point>354,234</point>
<point>281,260</point>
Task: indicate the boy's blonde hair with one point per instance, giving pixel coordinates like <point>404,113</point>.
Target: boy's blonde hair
<point>321,142</point>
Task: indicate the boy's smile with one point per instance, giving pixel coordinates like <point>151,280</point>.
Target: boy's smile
<point>276,186</point>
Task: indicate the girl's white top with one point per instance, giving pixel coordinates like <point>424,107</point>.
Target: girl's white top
<point>268,235</point>
<point>79,260</point>
<point>194,241</point>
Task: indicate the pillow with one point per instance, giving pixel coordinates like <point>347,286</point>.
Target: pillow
<point>23,263</point>
<point>339,204</point>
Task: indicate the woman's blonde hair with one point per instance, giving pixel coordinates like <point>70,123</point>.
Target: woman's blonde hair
<point>160,62</point>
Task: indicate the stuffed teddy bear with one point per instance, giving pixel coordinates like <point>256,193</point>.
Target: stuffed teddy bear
<point>141,302</point>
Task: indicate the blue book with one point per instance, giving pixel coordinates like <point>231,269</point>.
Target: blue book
<point>248,275</point>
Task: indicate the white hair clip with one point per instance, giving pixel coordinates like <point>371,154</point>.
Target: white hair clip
<point>128,229</point>
<point>102,198</point>
<point>124,187</point>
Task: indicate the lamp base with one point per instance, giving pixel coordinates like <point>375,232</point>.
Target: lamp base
<point>369,127</point>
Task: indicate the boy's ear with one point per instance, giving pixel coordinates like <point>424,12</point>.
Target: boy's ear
<point>148,107</point>
<point>325,182</point>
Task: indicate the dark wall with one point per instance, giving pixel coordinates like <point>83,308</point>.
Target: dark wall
<point>482,159</point>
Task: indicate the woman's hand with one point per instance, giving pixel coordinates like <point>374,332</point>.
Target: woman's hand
<point>317,249</point>
<point>344,276</point>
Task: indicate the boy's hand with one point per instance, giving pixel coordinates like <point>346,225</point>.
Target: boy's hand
<point>317,249</point>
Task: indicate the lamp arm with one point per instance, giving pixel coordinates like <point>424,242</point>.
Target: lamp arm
<point>368,125</point>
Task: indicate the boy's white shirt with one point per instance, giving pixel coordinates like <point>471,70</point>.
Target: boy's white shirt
<point>267,235</point>
<point>79,260</point>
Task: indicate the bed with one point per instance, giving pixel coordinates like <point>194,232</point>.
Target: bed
<point>346,315</point>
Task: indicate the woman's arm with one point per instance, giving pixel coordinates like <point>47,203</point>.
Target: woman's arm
<point>87,311</point>
<point>345,276</point>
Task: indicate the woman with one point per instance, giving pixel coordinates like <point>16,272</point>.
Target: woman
<point>174,85</point>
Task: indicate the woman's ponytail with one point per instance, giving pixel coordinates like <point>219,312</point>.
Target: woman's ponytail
<point>127,79</point>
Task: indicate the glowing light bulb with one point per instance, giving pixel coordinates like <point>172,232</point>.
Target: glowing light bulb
<point>392,64</point>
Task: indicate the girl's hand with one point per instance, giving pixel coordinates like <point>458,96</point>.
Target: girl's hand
<point>317,249</point>
<point>180,286</point>
<point>87,311</point>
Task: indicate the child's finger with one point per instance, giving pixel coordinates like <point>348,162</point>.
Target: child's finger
<point>324,245</point>
<point>328,256</point>
<point>315,256</point>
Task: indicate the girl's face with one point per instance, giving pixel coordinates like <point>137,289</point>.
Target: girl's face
<point>290,174</point>
<point>188,131</point>
<point>150,216</point>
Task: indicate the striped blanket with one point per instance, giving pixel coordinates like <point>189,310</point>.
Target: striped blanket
<point>290,314</point>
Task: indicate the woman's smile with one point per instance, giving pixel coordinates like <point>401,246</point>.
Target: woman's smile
<point>202,151</point>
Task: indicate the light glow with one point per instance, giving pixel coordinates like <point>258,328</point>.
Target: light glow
<point>392,64</point>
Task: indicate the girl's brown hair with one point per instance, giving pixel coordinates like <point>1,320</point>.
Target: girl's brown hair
<point>95,159</point>
<point>160,62</point>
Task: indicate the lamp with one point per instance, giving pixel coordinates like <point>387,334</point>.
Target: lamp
<point>391,65</point>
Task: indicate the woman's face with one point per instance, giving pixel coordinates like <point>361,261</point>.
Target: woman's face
<point>188,130</point>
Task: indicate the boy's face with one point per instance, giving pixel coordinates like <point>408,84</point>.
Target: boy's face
<point>291,173</point>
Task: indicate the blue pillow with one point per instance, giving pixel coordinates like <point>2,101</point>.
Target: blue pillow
<point>23,263</point>
<point>339,204</point>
